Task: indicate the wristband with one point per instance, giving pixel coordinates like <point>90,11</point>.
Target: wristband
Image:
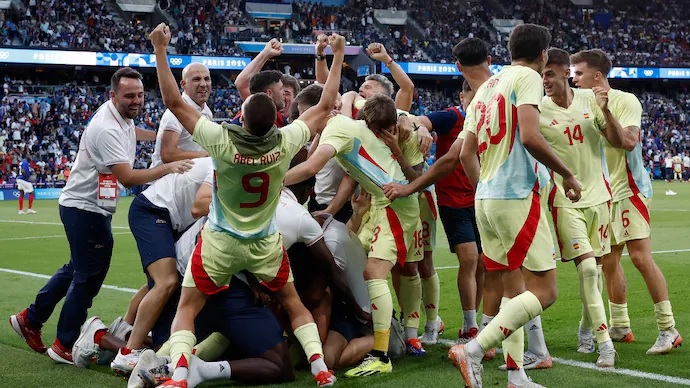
<point>320,57</point>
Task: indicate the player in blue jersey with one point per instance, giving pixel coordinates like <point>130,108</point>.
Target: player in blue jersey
<point>25,186</point>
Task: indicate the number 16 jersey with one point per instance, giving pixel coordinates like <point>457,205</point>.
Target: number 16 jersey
<point>247,184</point>
<point>507,170</point>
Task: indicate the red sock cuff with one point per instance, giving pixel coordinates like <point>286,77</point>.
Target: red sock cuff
<point>99,336</point>
<point>314,358</point>
<point>125,351</point>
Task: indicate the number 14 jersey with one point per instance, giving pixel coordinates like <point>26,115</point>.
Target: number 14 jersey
<point>575,134</point>
<point>246,187</point>
<point>507,170</point>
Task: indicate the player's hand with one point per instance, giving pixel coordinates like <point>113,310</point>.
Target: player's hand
<point>602,97</point>
<point>180,166</point>
<point>160,36</point>
<point>393,190</point>
<point>404,128</point>
<point>391,138</point>
<point>321,44</point>
<point>273,48</point>
<point>337,43</point>
<point>361,202</point>
<point>425,140</point>
<point>378,52</point>
<point>572,188</point>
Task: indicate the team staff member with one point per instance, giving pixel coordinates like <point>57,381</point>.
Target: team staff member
<point>103,164</point>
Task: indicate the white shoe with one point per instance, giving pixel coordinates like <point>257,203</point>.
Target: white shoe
<point>158,373</point>
<point>585,342</point>
<point>118,329</point>
<point>31,211</point>
<point>147,361</point>
<point>471,369</point>
<point>430,336</point>
<point>85,349</point>
<point>124,363</point>
<point>21,212</point>
<point>532,361</point>
<point>528,384</point>
<point>666,341</point>
<point>607,358</point>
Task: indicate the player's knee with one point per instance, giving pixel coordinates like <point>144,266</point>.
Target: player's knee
<point>167,286</point>
<point>588,268</point>
<point>547,295</point>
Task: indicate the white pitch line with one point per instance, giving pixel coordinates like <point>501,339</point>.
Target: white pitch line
<point>558,258</point>
<point>41,276</point>
<point>573,363</point>
<point>42,237</point>
<point>48,223</point>
<point>624,372</point>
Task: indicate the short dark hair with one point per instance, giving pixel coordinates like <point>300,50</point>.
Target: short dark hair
<point>259,113</point>
<point>466,86</point>
<point>528,41</point>
<point>596,59</point>
<point>293,111</point>
<point>291,82</point>
<point>379,112</point>
<point>263,80</point>
<point>310,95</point>
<point>558,57</point>
<point>124,72</point>
<point>470,52</point>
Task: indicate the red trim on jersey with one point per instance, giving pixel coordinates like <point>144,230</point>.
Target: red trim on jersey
<point>640,206</point>
<point>282,276</point>
<point>432,204</point>
<point>513,130</point>
<point>398,235</point>
<point>608,186</point>
<point>363,153</point>
<point>354,112</point>
<point>201,279</point>
<point>552,196</point>
<point>631,179</point>
<point>523,241</point>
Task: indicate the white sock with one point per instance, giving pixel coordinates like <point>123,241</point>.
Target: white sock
<point>535,337</point>
<point>606,346</point>
<point>470,320</point>
<point>201,371</point>
<point>475,350</point>
<point>411,332</point>
<point>318,365</point>
<point>485,321</point>
<point>517,376</point>
<point>180,373</point>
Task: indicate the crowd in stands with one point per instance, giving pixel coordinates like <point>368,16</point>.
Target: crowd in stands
<point>651,33</point>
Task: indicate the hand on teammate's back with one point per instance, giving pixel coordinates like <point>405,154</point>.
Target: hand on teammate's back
<point>393,190</point>
<point>180,166</point>
<point>160,36</point>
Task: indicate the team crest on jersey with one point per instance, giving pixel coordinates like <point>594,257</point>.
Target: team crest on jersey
<point>585,113</point>
<point>576,244</point>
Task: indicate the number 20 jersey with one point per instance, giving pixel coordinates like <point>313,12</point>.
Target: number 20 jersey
<point>246,190</point>
<point>507,170</point>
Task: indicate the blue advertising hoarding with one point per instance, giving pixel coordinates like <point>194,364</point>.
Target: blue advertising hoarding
<point>46,193</point>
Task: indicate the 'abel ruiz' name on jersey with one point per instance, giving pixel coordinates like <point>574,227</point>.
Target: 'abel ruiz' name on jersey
<point>263,160</point>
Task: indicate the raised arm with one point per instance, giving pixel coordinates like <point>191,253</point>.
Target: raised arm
<point>315,116</point>
<point>309,167</point>
<point>272,49</point>
<point>320,64</point>
<point>188,116</point>
<point>403,99</point>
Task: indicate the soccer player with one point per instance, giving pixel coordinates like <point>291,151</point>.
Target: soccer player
<point>573,124</point>
<point>393,234</point>
<point>156,217</point>
<point>632,191</point>
<point>503,127</point>
<point>173,142</point>
<point>241,235</point>
<point>473,60</point>
<point>25,186</point>
<point>87,203</point>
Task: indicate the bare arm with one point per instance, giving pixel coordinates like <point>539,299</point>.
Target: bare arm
<point>468,157</point>
<point>360,206</point>
<point>310,167</point>
<point>315,115</point>
<point>202,201</point>
<point>345,190</point>
<point>321,66</point>
<point>348,102</point>
<point>188,116</point>
<point>145,134</point>
<point>170,152</point>
<point>403,99</point>
<point>129,177</point>
<point>272,49</point>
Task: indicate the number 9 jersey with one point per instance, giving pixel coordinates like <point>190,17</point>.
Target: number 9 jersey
<point>507,170</point>
<point>248,174</point>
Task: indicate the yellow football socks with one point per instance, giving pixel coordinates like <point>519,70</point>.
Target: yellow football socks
<point>212,347</point>
<point>308,337</point>
<point>591,298</point>
<point>381,312</point>
<point>664,315</point>
<point>431,289</point>
<point>619,314</point>
<point>510,318</point>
